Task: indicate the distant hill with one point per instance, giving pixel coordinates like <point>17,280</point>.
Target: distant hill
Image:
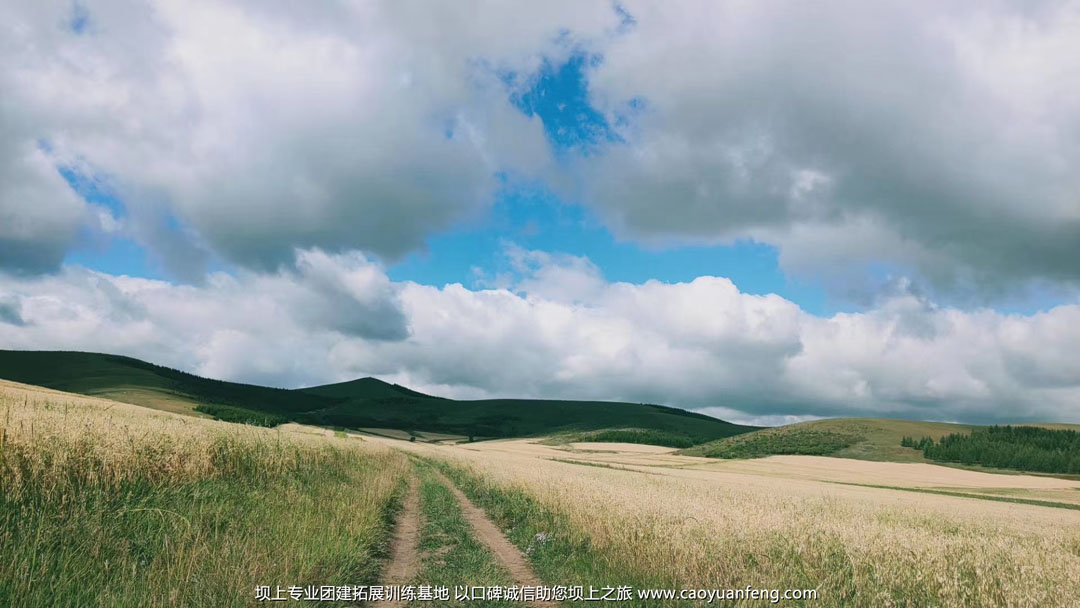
<point>364,388</point>
<point>861,438</point>
<point>363,403</point>
<point>133,381</point>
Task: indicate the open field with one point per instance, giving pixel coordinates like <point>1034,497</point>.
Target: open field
<point>108,504</point>
<point>652,518</point>
<point>105,503</point>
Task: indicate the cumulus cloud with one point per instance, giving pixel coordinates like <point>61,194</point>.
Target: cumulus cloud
<point>939,137</point>
<point>700,345</point>
<point>272,328</point>
<point>258,127</point>
<point>40,215</point>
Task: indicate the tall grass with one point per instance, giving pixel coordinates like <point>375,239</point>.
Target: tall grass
<point>691,529</point>
<point>105,504</point>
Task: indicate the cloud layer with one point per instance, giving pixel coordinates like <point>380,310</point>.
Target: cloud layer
<point>702,345</point>
<point>252,128</point>
<point>938,138</point>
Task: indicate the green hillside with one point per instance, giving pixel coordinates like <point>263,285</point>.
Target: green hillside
<point>519,417</point>
<point>133,381</point>
<point>363,403</point>
<point>364,388</point>
<point>862,438</point>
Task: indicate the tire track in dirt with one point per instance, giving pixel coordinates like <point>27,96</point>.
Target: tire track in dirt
<point>404,561</point>
<point>508,555</point>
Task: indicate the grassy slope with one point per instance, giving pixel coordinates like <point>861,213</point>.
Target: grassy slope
<point>521,417</point>
<point>133,381</point>
<point>863,438</point>
<point>367,402</point>
<point>106,504</point>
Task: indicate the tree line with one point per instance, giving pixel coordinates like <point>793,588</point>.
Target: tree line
<point>1026,448</point>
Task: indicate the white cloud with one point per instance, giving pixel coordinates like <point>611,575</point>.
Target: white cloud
<point>701,344</point>
<point>265,126</point>
<point>941,137</point>
<point>39,214</point>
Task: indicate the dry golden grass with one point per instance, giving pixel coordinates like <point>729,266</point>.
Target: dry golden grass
<point>857,545</point>
<point>817,468</point>
<point>632,448</point>
<point>121,442</point>
<point>109,504</point>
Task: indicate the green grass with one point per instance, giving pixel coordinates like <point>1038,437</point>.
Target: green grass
<point>133,381</point>
<point>451,554</point>
<point>364,403</point>
<point>778,441</point>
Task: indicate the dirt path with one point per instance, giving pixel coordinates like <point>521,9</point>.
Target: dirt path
<point>404,545</point>
<point>508,555</point>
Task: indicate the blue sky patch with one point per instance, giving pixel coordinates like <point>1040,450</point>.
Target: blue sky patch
<point>559,95</point>
<point>79,21</point>
<point>532,218</point>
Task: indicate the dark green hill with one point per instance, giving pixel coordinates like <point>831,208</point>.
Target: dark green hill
<point>364,388</point>
<point>133,381</point>
<point>519,417</point>
<point>363,403</point>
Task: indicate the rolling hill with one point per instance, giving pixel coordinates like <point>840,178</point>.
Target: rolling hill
<point>362,403</point>
<point>861,438</point>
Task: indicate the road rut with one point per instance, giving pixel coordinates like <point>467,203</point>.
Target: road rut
<point>508,555</point>
<point>404,561</point>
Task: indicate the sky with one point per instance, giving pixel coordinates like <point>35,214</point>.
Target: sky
<point>765,211</point>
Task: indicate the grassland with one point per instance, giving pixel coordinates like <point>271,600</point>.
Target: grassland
<point>108,504</point>
<point>666,525</point>
<point>863,438</point>
<point>363,403</point>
